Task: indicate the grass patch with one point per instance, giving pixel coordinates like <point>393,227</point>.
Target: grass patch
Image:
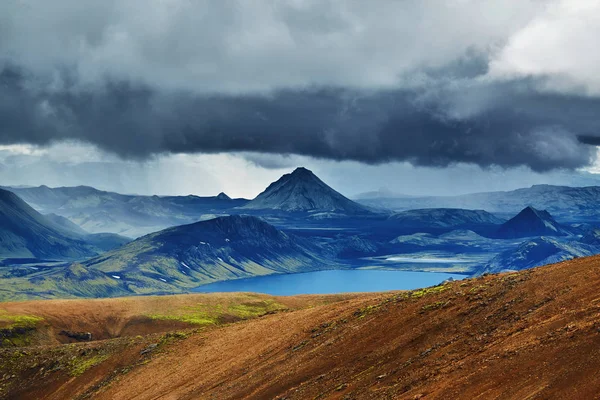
<point>79,365</point>
<point>361,313</point>
<point>215,314</point>
<point>478,289</point>
<point>196,318</point>
<point>434,306</point>
<point>417,294</point>
<point>11,321</point>
<point>17,330</point>
<point>172,337</point>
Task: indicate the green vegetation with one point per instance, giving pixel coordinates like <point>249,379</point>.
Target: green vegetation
<point>75,280</point>
<point>417,294</point>
<point>249,306</point>
<point>11,321</point>
<point>17,330</point>
<point>196,318</point>
<point>413,294</point>
<point>478,289</point>
<point>361,313</point>
<point>79,365</point>
<point>434,306</point>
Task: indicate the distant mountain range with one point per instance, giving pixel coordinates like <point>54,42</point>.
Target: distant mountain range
<point>297,224</point>
<point>445,218</point>
<point>303,191</point>
<point>25,233</point>
<point>566,203</point>
<point>128,215</point>
<point>134,216</point>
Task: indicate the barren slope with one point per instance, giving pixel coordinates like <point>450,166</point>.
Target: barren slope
<point>533,334</point>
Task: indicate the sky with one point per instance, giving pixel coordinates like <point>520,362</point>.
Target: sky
<point>409,97</point>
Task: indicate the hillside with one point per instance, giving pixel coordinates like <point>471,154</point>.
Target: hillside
<point>222,248</point>
<point>531,222</point>
<point>173,261</point>
<point>537,252</point>
<point>303,191</point>
<point>25,233</point>
<point>531,334</point>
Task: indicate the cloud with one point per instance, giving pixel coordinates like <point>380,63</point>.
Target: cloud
<point>273,161</point>
<point>430,83</point>
<point>235,46</point>
<point>424,127</point>
<point>589,139</point>
<point>559,44</point>
<point>74,164</point>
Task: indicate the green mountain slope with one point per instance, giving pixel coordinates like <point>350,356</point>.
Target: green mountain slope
<point>174,261</point>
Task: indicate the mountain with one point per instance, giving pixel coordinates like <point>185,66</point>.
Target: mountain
<point>222,196</point>
<point>460,237</point>
<point>444,218</point>
<point>98,211</point>
<point>567,203</point>
<point>531,222</point>
<point>175,260</point>
<point>25,233</point>
<point>538,252</point>
<point>68,227</point>
<point>592,237</point>
<point>222,248</point>
<point>101,241</point>
<point>303,191</point>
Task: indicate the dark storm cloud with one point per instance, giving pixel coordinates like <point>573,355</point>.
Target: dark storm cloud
<point>435,125</point>
<point>429,82</point>
<point>589,139</point>
<point>271,161</point>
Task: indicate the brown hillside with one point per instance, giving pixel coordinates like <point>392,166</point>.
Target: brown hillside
<point>528,335</point>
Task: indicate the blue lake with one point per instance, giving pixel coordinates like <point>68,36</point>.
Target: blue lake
<point>327,282</point>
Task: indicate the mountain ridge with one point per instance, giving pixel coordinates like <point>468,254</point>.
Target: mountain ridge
<point>572,203</point>
<point>98,211</point>
<point>445,217</point>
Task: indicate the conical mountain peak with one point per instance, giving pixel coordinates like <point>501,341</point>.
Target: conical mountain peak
<point>302,191</point>
<point>223,196</point>
<point>301,171</point>
<point>531,222</point>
